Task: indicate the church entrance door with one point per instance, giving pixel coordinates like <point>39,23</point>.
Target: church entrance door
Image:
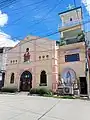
<point>25,81</point>
<point>83,86</point>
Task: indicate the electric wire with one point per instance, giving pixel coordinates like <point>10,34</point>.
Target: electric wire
<point>24,15</point>
<point>45,16</point>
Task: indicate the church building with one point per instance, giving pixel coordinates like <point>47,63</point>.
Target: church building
<point>39,62</point>
<point>32,63</point>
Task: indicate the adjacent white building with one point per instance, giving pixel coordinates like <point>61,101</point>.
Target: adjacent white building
<point>87,38</point>
<point>3,59</point>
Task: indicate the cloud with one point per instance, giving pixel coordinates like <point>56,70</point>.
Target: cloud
<point>6,40</point>
<point>87,4</point>
<point>3,19</point>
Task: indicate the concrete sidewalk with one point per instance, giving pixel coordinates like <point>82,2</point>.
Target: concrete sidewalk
<point>23,107</point>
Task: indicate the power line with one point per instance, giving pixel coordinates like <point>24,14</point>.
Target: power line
<point>49,35</point>
<point>10,2</point>
<point>25,6</point>
<point>17,20</point>
<point>38,38</point>
<point>23,15</point>
<point>5,1</point>
<point>45,16</point>
<point>56,32</point>
<point>37,23</point>
<point>29,5</point>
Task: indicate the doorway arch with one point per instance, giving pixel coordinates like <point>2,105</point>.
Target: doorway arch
<point>25,81</point>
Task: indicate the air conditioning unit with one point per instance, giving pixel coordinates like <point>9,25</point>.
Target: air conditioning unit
<point>68,90</point>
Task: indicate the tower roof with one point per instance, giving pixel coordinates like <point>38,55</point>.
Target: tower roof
<point>70,10</point>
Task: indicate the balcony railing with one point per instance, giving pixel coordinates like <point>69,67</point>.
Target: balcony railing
<point>70,24</point>
<point>79,38</point>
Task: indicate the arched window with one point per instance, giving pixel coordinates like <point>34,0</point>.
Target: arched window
<point>47,56</point>
<point>39,57</point>
<point>13,61</point>
<point>70,19</point>
<point>43,78</point>
<point>12,78</point>
<point>43,57</point>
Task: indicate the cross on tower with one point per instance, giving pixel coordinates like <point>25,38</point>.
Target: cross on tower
<point>70,6</point>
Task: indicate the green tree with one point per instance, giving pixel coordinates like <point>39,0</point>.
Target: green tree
<point>62,42</point>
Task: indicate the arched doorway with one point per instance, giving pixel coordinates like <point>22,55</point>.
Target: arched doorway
<point>25,81</point>
<point>43,78</point>
<point>2,78</point>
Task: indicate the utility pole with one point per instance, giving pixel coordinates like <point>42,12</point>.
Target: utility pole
<point>86,65</point>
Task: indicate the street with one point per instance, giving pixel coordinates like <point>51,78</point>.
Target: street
<point>23,107</point>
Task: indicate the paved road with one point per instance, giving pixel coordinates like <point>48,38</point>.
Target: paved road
<point>22,107</point>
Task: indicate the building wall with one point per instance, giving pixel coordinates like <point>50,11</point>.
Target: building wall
<point>71,22</point>
<point>70,17</point>
<point>38,48</point>
<point>71,31</point>
<point>3,57</point>
<point>65,17</point>
<point>87,38</point>
<point>77,66</point>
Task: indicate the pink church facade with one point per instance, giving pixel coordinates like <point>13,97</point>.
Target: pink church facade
<point>32,63</point>
<point>39,62</point>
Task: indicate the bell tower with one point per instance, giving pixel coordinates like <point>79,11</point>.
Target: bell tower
<point>71,22</point>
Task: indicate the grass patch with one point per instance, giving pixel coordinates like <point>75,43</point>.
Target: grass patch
<point>45,95</point>
<point>61,97</point>
<point>65,97</point>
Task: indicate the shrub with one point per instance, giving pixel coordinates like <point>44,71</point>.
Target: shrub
<point>43,91</point>
<point>40,91</point>
<point>10,90</point>
<point>68,97</point>
<point>33,91</point>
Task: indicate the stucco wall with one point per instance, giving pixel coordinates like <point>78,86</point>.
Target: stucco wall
<point>78,66</point>
<point>38,47</point>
